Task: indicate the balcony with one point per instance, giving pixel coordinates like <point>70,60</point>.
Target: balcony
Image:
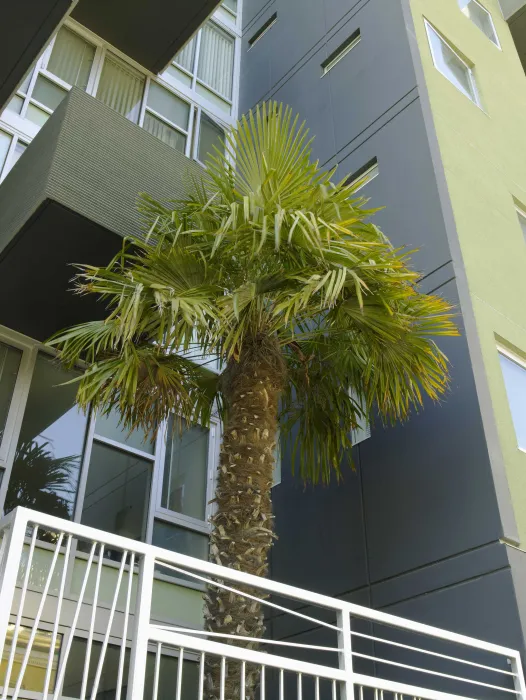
<point>86,613</point>
<point>72,198</point>
<point>151,32</point>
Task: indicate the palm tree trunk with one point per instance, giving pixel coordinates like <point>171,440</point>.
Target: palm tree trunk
<point>242,525</point>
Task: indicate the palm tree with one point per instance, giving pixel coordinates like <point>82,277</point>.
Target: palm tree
<point>316,318</point>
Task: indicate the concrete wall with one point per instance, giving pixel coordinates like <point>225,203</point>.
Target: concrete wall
<point>415,529</point>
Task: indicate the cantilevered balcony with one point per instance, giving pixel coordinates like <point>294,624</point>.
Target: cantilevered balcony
<point>149,31</point>
<point>71,198</point>
<point>84,613</point>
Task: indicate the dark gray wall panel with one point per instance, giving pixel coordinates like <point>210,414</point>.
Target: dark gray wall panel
<point>326,521</point>
<point>405,188</point>
<point>428,487</point>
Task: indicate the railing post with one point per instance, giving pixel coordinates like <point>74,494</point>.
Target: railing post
<point>516,668</point>
<point>139,646</point>
<point>12,550</point>
<point>345,654</point>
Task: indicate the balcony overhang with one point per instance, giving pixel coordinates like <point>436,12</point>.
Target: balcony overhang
<point>25,28</point>
<point>71,198</point>
<point>149,31</point>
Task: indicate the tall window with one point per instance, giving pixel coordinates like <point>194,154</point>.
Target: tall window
<point>90,469</point>
<point>167,116</point>
<point>206,65</point>
<point>121,87</point>
<point>514,372</point>
<point>451,65</point>
<point>481,18</point>
<point>48,458</point>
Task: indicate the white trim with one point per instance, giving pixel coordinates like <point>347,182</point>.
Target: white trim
<point>503,350</point>
<point>123,447</point>
<point>476,97</point>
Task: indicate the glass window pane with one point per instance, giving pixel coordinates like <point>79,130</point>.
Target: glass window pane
<point>35,673</point>
<point>216,59</point>
<point>450,65</point>
<point>482,18</point>
<point>164,132</point>
<point>108,426</point>
<point>210,135</point>
<point>48,93</point>
<point>9,365</point>
<point>515,381</point>
<point>110,667</point>
<point>186,471</point>
<point>71,58</point>
<point>231,4</point>
<point>117,492</point>
<point>185,57</point>
<point>48,457</point>
<point>37,115</point>
<point>179,539</point>
<point>5,142</point>
<point>168,105</point>
<point>15,104</point>
<point>121,87</point>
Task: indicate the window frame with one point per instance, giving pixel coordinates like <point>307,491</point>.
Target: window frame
<point>30,349</point>
<point>363,173</point>
<point>471,76</point>
<point>495,42</point>
<point>341,51</point>
<point>19,127</point>
<point>521,215</point>
<point>518,360</point>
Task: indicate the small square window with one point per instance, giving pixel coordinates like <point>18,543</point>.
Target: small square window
<point>515,381</point>
<point>481,17</point>
<point>449,63</point>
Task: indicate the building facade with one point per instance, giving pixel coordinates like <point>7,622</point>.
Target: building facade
<point>423,101</point>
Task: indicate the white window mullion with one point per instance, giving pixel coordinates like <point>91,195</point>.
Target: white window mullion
<point>190,139</point>
<point>30,87</point>
<point>144,101</point>
<point>196,58</point>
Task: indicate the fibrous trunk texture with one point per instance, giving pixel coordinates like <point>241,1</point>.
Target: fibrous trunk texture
<point>242,525</point>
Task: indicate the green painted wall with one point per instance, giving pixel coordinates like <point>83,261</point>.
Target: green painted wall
<point>483,152</point>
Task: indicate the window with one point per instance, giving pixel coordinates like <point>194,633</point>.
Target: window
<point>206,65</point>
<point>35,673</point>
<point>521,215</point>
<point>514,372</point>
<point>121,87</point>
<point>69,63</point>
<point>481,17</point>
<point>342,51</point>
<point>167,116</point>
<point>5,144</point>
<point>263,30</point>
<point>230,5</point>
<point>364,175</point>
<point>48,458</point>
<point>449,63</point>
<point>210,135</point>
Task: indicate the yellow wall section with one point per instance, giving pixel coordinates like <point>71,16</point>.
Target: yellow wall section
<point>484,156</point>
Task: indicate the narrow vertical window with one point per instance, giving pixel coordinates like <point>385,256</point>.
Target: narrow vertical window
<point>121,87</point>
<point>364,175</point>
<point>514,373</point>
<point>263,30</point>
<point>342,51</point>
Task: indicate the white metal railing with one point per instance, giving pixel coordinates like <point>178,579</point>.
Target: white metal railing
<point>76,621</point>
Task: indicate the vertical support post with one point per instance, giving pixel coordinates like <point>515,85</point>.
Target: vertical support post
<point>12,555</point>
<point>139,647</point>
<point>345,654</point>
<point>516,668</point>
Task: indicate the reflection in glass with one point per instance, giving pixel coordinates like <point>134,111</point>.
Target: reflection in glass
<point>117,492</point>
<point>515,382</point>
<point>109,426</point>
<point>35,672</point>
<point>210,135</point>
<point>185,470</point>
<point>179,539</point>
<point>71,58</point>
<point>48,457</point>
<point>9,365</point>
